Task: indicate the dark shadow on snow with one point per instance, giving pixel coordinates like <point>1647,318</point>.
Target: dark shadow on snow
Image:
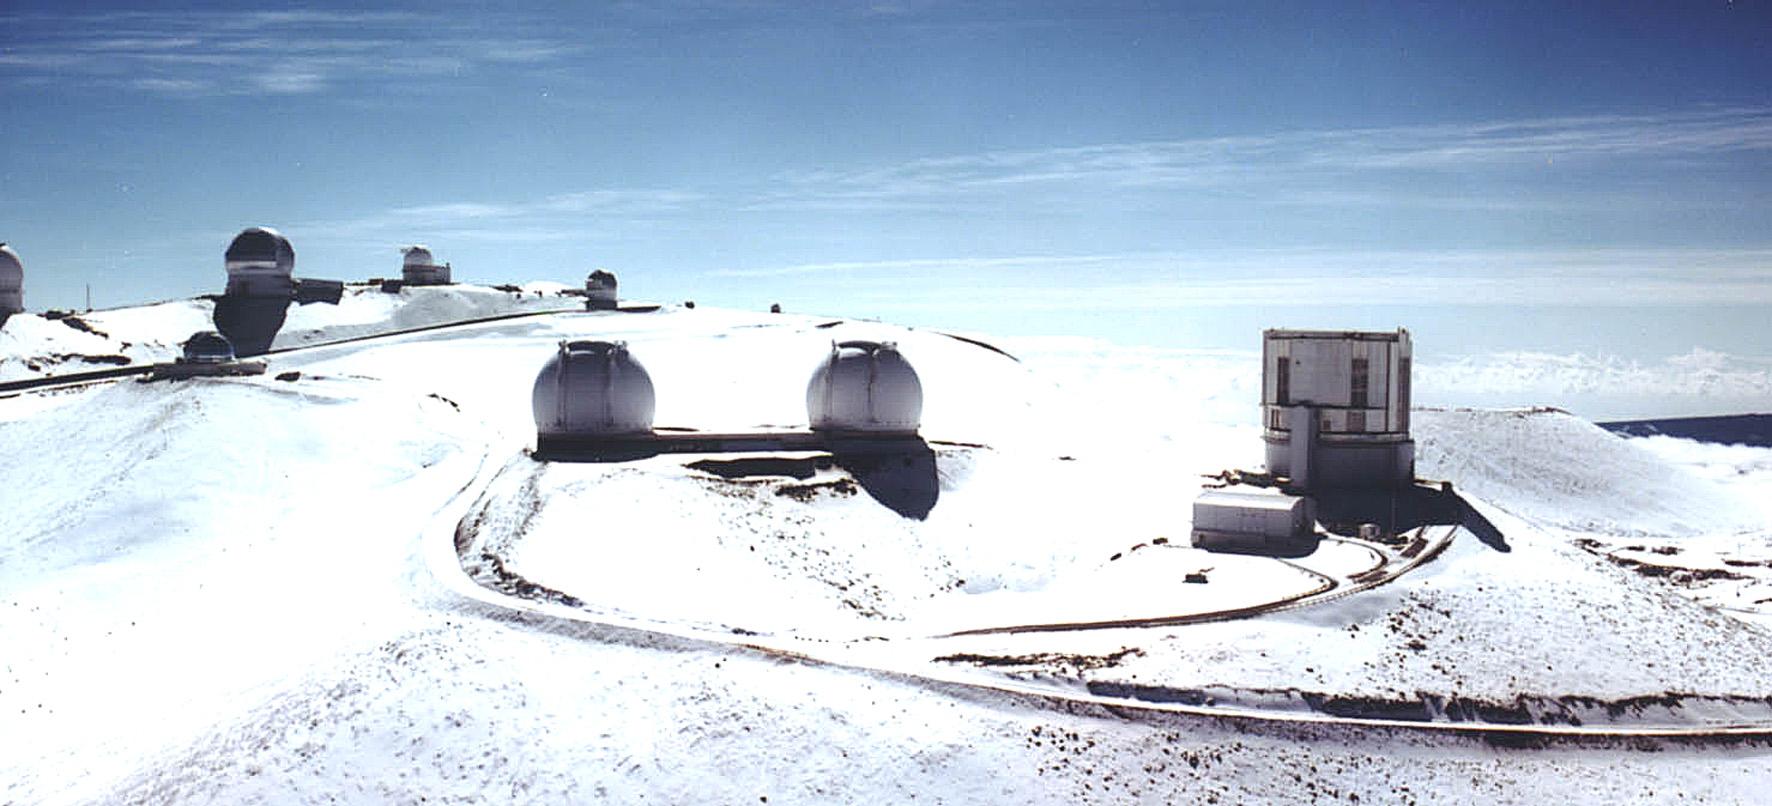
<point>750,466</point>
<point>250,323</point>
<point>900,475</point>
<point>592,452</point>
<point>897,471</point>
<point>1403,509</point>
<point>1291,547</point>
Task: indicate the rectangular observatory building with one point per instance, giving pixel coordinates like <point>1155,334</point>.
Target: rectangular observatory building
<point>1255,520</point>
<point>1335,407</point>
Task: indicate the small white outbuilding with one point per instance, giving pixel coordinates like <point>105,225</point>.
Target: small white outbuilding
<point>260,262</point>
<point>865,387</point>
<point>592,389</point>
<point>420,267</point>
<point>12,283</point>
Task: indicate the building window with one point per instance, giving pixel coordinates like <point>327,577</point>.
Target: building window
<point>1357,396</point>
<point>1403,394</point>
<point>1282,381</point>
<point>1356,422</point>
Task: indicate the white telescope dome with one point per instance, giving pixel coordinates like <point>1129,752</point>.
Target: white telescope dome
<point>12,282</point>
<point>593,388</point>
<point>865,386</point>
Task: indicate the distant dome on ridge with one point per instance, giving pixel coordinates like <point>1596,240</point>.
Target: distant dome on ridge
<point>418,255</point>
<point>600,290</point>
<point>420,267</point>
<point>865,386</point>
<point>592,388</point>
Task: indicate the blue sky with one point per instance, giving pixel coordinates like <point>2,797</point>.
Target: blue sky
<point>1591,177</point>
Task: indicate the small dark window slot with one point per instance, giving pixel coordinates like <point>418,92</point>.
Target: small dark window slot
<point>1357,396</point>
<point>1403,394</point>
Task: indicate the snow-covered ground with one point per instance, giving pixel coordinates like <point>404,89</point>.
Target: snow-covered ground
<point>229,590</point>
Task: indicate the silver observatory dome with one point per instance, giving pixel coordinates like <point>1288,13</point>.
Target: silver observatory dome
<point>259,263</point>
<point>867,387</point>
<point>592,389</point>
<point>12,283</point>
<point>208,347</point>
<point>260,249</point>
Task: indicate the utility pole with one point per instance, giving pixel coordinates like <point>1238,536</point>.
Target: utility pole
<point>89,297</point>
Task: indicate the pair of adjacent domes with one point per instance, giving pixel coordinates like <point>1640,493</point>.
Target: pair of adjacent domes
<point>598,388</point>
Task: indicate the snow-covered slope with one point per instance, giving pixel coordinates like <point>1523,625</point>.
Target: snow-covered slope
<point>1552,468</point>
<point>228,590</point>
<point>367,310</point>
<point>33,346</point>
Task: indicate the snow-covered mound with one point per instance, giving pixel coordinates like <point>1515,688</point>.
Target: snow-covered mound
<point>175,552</point>
<point>955,537</point>
<point>1556,469</point>
<point>367,310</point>
<point>811,545</point>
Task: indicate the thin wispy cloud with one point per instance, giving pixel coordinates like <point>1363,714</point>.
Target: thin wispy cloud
<point>263,53</point>
<point>1307,278</point>
<point>557,217</point>
<point>1299,162</point>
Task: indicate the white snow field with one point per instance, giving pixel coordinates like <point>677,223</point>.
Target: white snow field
<point>347,580</point>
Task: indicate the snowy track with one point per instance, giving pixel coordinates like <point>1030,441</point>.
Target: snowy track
<point>1328,589</point>
<point>909,660</point>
